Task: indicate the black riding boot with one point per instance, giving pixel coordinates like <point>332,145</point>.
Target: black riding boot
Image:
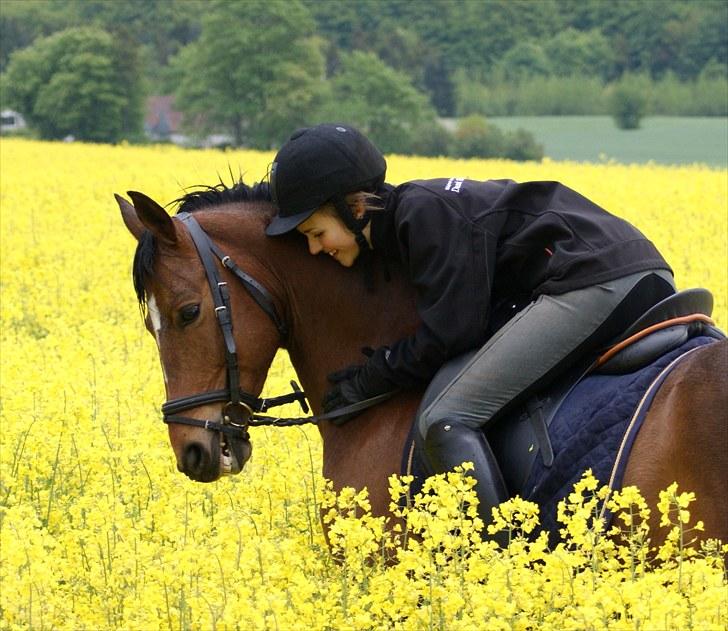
<point>449,444</point>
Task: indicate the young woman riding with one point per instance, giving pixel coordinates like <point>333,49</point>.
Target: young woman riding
<point>514,283</point>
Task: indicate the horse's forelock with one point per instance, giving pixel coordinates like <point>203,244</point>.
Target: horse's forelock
<point>143,265</point>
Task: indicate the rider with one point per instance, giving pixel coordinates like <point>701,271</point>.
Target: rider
<point>528,277</point>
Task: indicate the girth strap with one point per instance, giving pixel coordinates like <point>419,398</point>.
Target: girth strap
<point>540,429</point>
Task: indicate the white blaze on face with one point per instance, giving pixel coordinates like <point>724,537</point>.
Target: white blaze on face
<point>156,319</point>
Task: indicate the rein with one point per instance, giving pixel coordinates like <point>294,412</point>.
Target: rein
<point>241,408</point>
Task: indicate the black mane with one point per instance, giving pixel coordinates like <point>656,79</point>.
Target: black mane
<point>203,196</point>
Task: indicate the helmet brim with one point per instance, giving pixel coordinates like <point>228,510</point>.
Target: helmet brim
<point>282,225</point>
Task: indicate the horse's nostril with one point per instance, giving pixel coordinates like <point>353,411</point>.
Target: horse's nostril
<point>194,458</point>
<point>198,461</point>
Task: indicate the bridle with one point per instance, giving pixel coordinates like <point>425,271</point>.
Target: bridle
<point>240,406</point>
<point>241,409</point>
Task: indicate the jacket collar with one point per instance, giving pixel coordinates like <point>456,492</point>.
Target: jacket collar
<point>383,232</point>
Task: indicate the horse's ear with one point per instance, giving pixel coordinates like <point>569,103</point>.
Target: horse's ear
<point>128,214</point>
<point>154,217</point>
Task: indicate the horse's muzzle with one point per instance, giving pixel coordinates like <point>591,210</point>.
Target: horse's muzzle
<point>208,462</point>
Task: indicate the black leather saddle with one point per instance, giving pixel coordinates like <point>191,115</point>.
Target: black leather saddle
<point>680,306</point>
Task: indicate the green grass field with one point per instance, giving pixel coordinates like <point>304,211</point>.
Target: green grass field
<point>664,140</point>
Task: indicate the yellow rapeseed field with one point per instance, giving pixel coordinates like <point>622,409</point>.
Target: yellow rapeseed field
<point>99,531</point>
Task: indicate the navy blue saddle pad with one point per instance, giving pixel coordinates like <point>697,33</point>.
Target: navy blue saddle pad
<point>595,423</point>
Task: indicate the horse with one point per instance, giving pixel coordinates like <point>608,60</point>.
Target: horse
<point>217,338</point>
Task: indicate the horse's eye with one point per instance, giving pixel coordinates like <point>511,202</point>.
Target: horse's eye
<point>189,314</point>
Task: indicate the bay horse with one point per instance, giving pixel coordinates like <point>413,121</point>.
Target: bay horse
<point>323,315</point>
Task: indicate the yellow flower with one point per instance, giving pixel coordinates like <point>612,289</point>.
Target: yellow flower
<point>98,530</point>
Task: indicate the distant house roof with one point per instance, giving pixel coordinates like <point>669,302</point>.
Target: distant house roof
<point>161,119</point>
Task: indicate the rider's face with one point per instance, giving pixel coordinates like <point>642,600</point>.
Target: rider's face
<point>327,233</point>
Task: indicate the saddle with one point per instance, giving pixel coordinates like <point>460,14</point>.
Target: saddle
<point>518,437</point>
<point>662,328</point>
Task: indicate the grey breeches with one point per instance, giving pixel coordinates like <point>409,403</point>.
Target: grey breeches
<point>528,348</point>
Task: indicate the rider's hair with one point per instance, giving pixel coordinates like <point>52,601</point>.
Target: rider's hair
<point>370,201</point>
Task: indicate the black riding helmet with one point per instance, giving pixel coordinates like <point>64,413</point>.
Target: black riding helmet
<point>322,164</point>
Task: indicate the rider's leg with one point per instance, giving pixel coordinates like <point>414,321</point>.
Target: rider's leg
<point>530,348</point>
<point>449,443</point>
<point>521,357</point>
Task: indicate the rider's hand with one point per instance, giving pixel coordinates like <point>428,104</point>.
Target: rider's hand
<point>351,385</point>
<point>345,390</point>
<point>344,374</point>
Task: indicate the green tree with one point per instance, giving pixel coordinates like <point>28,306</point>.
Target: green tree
<point>629,100</point>
<point>656,36</point>
<point>521,145</point>
<point>525,60</point>
<point>256,71</point>
<point>78,82</point>
<point>159,28</point>
<point>475,137</point>
<point>430,139</point>
<point>692,39</point>
<point>403,49</point>
<point>586,53</point>
<point>379,100</point>
<point>433,42</point>
<point>156,28</point>
<point>22,21</point>
<point>474,34</point>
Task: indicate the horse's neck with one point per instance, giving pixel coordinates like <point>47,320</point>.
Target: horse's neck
<point>333,316</point>
<point>329,312</point>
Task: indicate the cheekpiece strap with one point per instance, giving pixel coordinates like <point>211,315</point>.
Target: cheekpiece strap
<point>352,223</point>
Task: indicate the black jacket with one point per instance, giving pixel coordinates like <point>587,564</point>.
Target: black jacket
<point>478,252</point>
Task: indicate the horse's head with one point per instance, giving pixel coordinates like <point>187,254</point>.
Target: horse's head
<point>210,369</point>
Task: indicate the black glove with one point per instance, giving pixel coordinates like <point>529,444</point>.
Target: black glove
<point>343,393</point>
<point>353,384</point>
<point>342,375</point>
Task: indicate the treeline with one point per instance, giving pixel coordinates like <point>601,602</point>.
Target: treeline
<point>441,43</point>
<point>583,95</point>
<point>258,68</point>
